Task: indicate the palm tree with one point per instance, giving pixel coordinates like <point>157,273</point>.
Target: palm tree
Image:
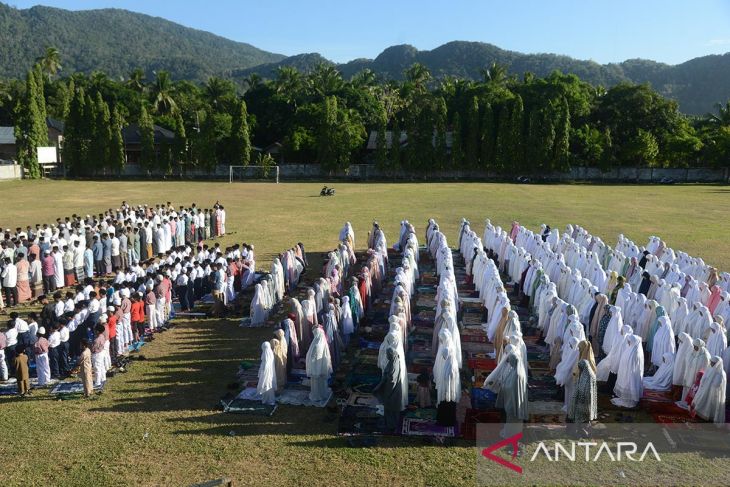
<point>50,61</point>
<point>217,90</point>
<point>417,75</point>
<point>136,80</point>
<point>162,91</point>
<point>365,78</point>
<point>495,74</point>
<point>325,80</point>
<point>288,83</point>
<point>253,81</point>
<point>723,114</point>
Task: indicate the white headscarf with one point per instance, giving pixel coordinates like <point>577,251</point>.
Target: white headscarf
<point>663,341</point>
<point>629,385</point>
<point>318,362</point>
<point>611,361</point>
<point>662,378</point>
<point>716,340</point>
<point>448,381</point>
<point>564,371</point>
<point>267,373</point>
<point>348,326</point>
<point>709,402</point>
<point>613,329</point>
<point>697,360</point>
<point>684,351</point>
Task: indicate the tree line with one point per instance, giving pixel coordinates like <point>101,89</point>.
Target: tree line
<point>500,123</point>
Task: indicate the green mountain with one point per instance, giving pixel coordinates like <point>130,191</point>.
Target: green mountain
<point>697,84</point>
<point>118,41</point>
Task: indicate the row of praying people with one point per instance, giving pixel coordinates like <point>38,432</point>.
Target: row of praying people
<point>35,261</point>
<point>392,390</point>
<point>283,277</point>
<point>446,341</point>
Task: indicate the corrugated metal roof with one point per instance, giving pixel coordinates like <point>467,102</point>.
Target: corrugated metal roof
<point>7,135</point>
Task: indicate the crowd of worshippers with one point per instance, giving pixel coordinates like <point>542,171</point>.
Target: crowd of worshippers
<point>616,306</point>
<point>105,308</point>
<point>283,278</point>
<point>317,328</point>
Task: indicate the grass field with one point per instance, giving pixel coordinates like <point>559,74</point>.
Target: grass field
<point>156,425</point>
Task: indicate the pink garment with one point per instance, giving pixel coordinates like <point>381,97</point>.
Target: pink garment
<point>714,299</point>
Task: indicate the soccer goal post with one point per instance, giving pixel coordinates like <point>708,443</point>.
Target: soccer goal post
<point>253,173</point>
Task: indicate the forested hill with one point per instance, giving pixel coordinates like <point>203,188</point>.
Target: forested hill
<point>116,42</point>
<point>697,84</point>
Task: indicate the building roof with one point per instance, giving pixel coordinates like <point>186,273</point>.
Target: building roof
<point>7,135</point>
<point>55,124</point>
<point>132,135</point>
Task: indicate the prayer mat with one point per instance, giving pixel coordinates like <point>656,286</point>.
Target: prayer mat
<point>467,346</point>
<point>369,344</point>
<point>300,397</point>
<point>422,413</point>
<point>426,427</point>
<point>547,418</point>
<point>471,301</point>
<point>673,418</point>
<point>358,399</point>
<point>68,388</point>
<point>134,347</point>
<point>545,407</point>
<point>361,420</point>
<point>9,389</point>
<point>651,395</point>
<point>482,398</point>
<point>482,363</point>
<point>248,407</point>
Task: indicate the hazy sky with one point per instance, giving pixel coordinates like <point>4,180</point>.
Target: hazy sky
<point>670,31</point>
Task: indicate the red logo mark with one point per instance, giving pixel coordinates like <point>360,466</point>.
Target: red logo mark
<point>512,440</point>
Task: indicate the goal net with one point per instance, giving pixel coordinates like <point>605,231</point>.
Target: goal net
<point>253,173</point>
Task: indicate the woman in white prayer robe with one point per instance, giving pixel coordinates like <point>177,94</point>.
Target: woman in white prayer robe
<point>613,329</point>
<point>709,401</point>
<point>393,340</point>
<point>662,378</point>
<point>318,366</point>
<point>629,384</point>
<point>258,310</point>
<point>266,387</point>
<point>610,363</point>
<point>696,361</point>
<point>684,350</point>
<point>663,341</point>
<point>346,322</point>
<point>493,381</point>
<point>448,386</point>
<point>564,371</point>
<point>716,340</point>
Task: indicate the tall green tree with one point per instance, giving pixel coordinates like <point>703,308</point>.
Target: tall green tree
<point>471,136</point>
<point>101,139</point>
<point>381,142</point>
<point>162,93</point>
<point>148,159</point>
<point>116,157</point>
<point>515,136</point>
<point>30,129</point>
<point>240,136</point>
<point>395,147</point>
<point>180,144</point>
<point>457,146</point>
<point>76,136</point>
<point>487,137</point>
